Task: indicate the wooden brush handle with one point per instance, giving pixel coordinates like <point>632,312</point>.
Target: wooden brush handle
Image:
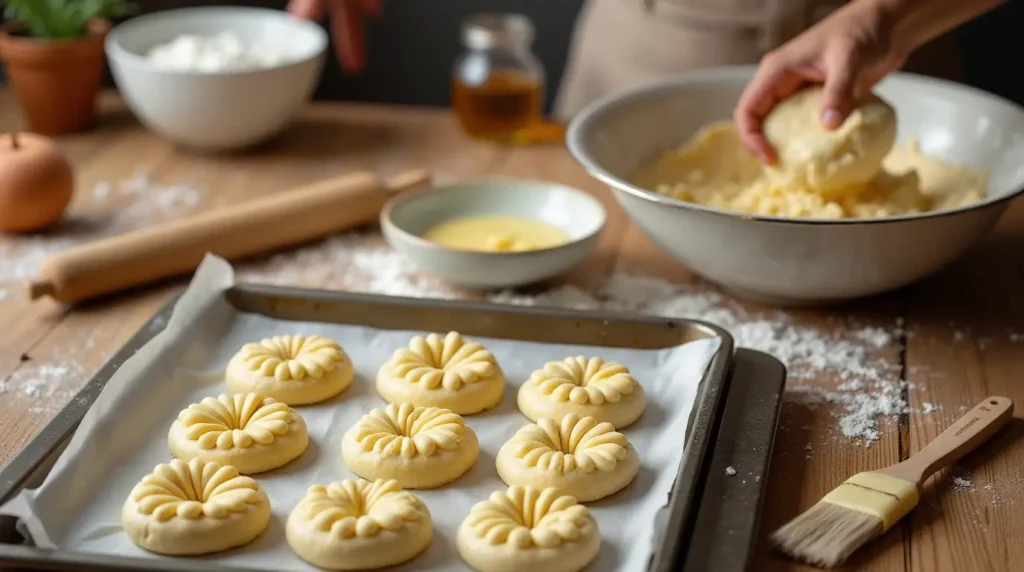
<point>971,430</point>
<point>253,227</point>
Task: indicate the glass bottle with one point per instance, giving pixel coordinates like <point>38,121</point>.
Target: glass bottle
<point>497,83</point>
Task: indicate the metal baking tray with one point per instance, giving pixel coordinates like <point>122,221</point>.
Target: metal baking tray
<point>685,521</point>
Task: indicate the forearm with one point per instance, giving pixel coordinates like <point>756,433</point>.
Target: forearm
<point>913,23</point>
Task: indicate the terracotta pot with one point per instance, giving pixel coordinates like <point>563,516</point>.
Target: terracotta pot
<point>56,81</point>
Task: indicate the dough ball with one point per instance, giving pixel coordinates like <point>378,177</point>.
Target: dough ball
<point>193,508</point>
<point>295,370</point>
<point>822,160</point>
<point>585,387</point>
<point>359,525</point>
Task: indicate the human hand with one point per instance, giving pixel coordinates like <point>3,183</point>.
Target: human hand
<point>348,28</point>
<point>849,52</point>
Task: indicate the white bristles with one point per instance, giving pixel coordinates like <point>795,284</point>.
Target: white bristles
<point>826,534</point>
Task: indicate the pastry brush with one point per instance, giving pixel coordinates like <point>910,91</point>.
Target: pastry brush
<point>869,503</point>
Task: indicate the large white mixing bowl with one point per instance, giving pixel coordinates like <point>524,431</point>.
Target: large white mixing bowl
<point>803,261</point>
<point>217,110</point>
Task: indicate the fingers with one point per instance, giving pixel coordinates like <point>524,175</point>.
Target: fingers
<point>774,81</point>
<point>840,82</point>
<point>349,33</point>
<point>308,9</point>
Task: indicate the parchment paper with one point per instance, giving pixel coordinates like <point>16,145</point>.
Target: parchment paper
<point>124,435</point>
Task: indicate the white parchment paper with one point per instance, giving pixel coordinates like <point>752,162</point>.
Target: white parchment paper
<point>124,435</point>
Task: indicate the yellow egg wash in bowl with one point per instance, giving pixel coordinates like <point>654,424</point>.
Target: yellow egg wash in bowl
<point>496,233</point>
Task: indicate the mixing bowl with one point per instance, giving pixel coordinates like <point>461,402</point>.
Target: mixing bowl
<point>225,109</point>
<point>793,261</point>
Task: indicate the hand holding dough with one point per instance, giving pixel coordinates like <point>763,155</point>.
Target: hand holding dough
<point>586,387</point>
<point>295,370</point>
<point>359,525</point>
<point>523,528</point>
<point>187,509</point>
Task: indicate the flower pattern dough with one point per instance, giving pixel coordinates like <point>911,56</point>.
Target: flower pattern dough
<point>359,525</point>
<point>587,387</point>
<point>295,370</point>
<point>580,457</point>
<point>246,430</point>
<point>450,372</point>
<point>420,447</point>
<point>525,528</point>
<point>191,508</point>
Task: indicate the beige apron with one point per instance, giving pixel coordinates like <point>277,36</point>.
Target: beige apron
<point>620,44</point>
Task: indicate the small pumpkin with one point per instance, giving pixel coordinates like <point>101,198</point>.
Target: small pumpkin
<point>36,182</point>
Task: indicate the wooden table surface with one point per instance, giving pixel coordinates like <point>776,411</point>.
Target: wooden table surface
<point>963,329</point>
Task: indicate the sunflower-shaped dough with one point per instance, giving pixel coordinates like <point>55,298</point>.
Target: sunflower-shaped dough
<point>449,372</point>
<point>187,509</point>
<point>579,457</point>
<point>588,387</point>
<point>296,370</point>
<point>524,528</point>
<point>420,447</point>
<point>246,430</point>
<point>359,525</point>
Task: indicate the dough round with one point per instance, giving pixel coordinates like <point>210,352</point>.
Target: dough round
<point>450,372</point>
<point>813,157</point>
<point>525,528</point>
<point>586,387</point>
<point>187,509</point>
<point>359,525</point>
<point>584,458</point>
<point>295,370</point>
<point>246,430</point>
<point>420,447</point>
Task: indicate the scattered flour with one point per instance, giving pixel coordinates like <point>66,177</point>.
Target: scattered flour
<point>961,484</point>
<point>730,472</point>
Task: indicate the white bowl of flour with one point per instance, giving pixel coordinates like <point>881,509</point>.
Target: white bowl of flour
<point>217,78</point>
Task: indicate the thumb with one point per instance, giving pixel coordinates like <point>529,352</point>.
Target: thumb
<point>840,79</point>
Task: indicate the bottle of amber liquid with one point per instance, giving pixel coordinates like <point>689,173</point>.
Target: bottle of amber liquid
<point>498,84</point>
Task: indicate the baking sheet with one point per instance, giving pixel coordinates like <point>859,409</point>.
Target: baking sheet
<point>124,434</point>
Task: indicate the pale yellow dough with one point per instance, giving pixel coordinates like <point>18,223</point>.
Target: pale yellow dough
<point>584,458</point>
<point>853,172</point>
<point>246,430</point>
<point>419,447</point>
<point>528,529</point>
<point>585,387</point>
<point>296,370</point>
<point>359,525</point>
<point>449,372</point>
<point>193,508</point>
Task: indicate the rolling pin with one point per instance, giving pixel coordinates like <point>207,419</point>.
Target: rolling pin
<point>254,227</point>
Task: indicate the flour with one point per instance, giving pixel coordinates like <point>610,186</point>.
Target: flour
<point>224,52</point>
<point>730,472</point>
<point>961,484</point>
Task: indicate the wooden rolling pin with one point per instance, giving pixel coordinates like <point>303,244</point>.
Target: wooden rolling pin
<point>253,227</point>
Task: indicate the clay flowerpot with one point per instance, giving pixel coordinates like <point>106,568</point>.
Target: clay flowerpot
<point>56,81</point>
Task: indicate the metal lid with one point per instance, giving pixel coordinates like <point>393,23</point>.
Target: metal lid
<point>483,31</point>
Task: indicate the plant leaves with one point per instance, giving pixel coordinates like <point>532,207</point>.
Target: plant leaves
<point>63,19</point>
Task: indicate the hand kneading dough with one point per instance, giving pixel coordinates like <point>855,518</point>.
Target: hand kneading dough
<point>359,525</point>
<point>813,157</point>
<point>585,387</point>
<point>579,457</point>
<point>187,509</point>
<point>420,447</point>
<point>245,430</point>
<point>450,372</point>
<point>295,370</point>
<point>523,528</point>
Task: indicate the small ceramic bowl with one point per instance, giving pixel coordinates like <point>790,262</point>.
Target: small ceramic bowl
<point>408,216</point>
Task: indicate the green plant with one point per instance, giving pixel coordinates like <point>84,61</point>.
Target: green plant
<point>62,19</point>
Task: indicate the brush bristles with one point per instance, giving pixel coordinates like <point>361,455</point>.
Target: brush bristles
<point>827,534</point>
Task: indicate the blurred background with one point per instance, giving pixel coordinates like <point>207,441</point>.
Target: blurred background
<point>413,45</point>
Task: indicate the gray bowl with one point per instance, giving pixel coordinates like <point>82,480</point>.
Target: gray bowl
<point>408,216</point>
<point>803,261</point>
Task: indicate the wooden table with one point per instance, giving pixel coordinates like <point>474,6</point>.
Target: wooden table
<point>964,328</point>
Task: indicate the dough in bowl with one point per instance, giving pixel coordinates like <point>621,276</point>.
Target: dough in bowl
<point>523,528</point>
<point>193,508</point>
<point>296,370</point>
<point>420,447</point>
<point>450,372</point>
<point>584,458</point>
<point>246,430</point>
<point>813,157</point>
<point>359,525</point>
<point>586,387</point>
